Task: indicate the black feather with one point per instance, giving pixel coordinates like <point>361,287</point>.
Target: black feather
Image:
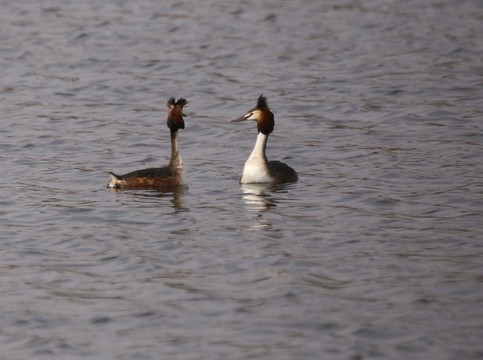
<point>171,101</point>
<point>181,102</point>
<point>262,102</point>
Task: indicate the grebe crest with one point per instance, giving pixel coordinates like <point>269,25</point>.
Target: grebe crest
<point>162,178</point>
<point>257,168</point>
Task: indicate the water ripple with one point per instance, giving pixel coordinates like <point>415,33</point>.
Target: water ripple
<point>374,252</point>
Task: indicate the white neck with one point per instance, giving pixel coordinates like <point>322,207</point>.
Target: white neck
<point>256,170</point>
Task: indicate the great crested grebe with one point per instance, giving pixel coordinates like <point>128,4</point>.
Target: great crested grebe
<point>164,177</point>
<point>257,168</point>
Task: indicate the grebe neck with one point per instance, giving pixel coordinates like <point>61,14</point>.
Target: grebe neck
<point>175,157</point>
<point>256,167</point>
<point>260,147</point>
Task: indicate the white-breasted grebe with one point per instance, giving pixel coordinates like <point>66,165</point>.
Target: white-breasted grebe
<point>164,177</point>
<point>257,168</point>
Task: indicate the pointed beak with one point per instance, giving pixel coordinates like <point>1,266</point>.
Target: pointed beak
<point>243,118</point>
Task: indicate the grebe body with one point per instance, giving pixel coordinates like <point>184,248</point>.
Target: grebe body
<point>164,177</point>
<point>257,168</point>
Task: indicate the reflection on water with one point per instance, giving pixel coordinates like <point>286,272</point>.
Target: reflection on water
<point>257,200</point>
<point>260,198</point>
<point>175,193</point>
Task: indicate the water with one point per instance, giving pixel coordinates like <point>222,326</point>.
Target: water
<point>374,253</point>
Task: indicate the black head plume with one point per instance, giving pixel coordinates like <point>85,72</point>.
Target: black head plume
<point>181,102</point>
<point>171,102</point>
<point>262,102</point>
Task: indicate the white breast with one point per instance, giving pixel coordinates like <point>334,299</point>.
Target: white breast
<point>255,171</point>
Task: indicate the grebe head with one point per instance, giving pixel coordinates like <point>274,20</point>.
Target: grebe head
<point>262,115</point>
<point>175,117</point>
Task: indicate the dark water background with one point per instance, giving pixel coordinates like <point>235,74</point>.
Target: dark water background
<point>375,253</point>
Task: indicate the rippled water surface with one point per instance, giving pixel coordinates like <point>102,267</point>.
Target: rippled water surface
<point>376,252</point>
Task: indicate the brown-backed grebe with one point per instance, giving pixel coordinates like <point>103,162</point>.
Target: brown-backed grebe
<point>257,168</point>
<point>164,177</point>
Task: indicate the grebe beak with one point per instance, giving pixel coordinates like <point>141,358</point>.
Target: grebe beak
<point>243,118</point>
